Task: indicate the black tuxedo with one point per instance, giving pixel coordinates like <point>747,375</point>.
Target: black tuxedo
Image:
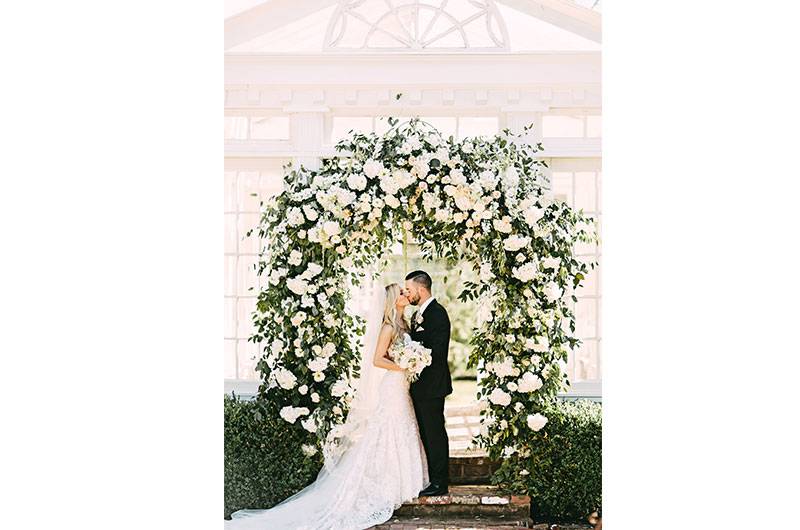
<point>428,392</point>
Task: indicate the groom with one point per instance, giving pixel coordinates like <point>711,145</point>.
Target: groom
<point>430,326</point>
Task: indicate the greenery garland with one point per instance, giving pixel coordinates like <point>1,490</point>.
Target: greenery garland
<point>482,201</point>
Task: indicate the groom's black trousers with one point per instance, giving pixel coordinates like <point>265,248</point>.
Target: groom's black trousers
<point>430,417</point>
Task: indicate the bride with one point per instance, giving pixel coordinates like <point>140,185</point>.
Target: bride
<point>379,463</point>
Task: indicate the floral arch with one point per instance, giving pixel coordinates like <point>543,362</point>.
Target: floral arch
<point>481,201</point>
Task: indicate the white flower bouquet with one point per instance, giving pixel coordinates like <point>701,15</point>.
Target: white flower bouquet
<point>412,356</point>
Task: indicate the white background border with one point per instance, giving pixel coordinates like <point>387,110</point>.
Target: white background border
<point>112,118</point>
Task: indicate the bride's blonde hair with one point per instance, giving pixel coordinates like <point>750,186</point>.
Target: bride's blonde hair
<point>390,314</point>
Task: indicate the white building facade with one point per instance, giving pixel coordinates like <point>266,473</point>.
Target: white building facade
<point>300,75</point>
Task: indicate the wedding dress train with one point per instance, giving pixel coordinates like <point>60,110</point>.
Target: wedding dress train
<point>384,467</point>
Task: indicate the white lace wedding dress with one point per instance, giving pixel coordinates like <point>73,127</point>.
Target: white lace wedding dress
<point>379,469</point>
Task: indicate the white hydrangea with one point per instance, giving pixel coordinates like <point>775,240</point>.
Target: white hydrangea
<point>511,178</point>
<point>515,242</point>
<point>488,180</point>
<point>309,450</point>
<point>536,421</point>
<point>499,397</point>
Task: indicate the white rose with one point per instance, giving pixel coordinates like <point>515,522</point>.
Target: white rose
<point>532,215</point>
<point>551,262</point>
<point>315,397</point>
<point>512,386</point>
<point>309,450</point>
<point>536,421</point>
<point>339,388</point>
<point>294,216</point>
<point>298,318</point>
<point>356,181</point>
<point>311,212</point>
<point>529,382</point>
<point>285,378</point>
<point>295,257</point>
<point>331,228</point>
<point>552,292</point>
<point>318,364</point>
<point>392,201</point>
<point>303,390</point>
<point>503,225</point>
<point>526,272</point>
<point>498,397</point>
<point>319,377</point>
<point>514,242</point>
<point>372,168</point>
<point>309,424</point>
<point>297,286</point>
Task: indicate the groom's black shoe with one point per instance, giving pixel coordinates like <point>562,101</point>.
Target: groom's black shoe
<point>432,490</point>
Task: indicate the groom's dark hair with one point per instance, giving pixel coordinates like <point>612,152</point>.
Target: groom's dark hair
<point>420,277</point>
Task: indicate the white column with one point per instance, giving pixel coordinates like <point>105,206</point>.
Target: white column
<point>307,134</point>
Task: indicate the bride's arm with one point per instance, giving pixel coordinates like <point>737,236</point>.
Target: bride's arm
<point>380,360</point>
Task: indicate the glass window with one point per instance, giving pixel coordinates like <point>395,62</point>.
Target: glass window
<point>557,126</point>
<point>477,126</point>
<point>269,127</point>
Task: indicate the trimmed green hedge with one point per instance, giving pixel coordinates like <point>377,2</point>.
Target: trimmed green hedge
<point>264,462</point>
<point>564,477</point>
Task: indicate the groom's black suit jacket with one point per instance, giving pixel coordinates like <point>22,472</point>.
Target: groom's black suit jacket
<point>433,333</point>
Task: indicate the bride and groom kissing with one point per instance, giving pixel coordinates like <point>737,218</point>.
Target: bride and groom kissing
<point>399,450</point>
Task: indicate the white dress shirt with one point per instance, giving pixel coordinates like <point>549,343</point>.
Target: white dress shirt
<point>423,307</point>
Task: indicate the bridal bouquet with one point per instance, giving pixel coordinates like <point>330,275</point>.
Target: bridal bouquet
<point>412,356</point>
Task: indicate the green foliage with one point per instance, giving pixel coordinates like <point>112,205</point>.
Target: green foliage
<point>564,463</point>
<point>478,203</point>
<point>264,462</point>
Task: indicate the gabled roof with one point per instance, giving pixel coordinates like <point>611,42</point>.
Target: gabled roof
<point>341,26</point>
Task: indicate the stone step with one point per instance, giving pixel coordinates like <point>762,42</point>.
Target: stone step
<point>469,500</point>
<point>496,522</point>
<point>471,468</point>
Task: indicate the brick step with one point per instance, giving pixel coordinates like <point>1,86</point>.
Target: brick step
<point>469,500</point>
<point>472,468</point>
<point>497,522</point>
